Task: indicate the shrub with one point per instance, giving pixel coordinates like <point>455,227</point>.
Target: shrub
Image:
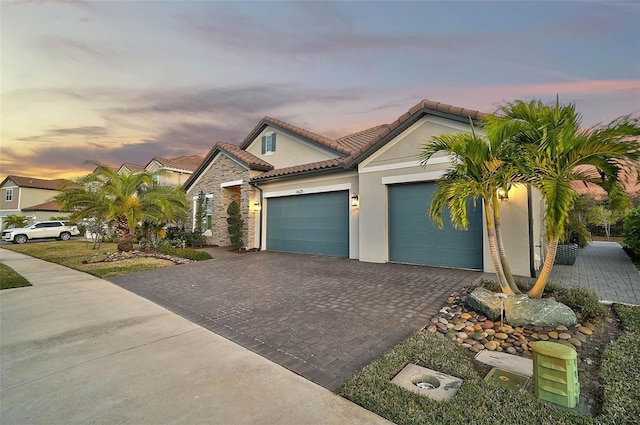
<point>195,239</point>
<point>632,231</point>
<point>235,222</point>
<point>191,254</point>
<point>583,302</point>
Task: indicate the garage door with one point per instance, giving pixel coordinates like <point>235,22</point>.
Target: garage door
<point>413,238</point>
<point>313,224</point>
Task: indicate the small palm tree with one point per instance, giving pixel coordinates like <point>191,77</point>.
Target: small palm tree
<point>477,173</point>
<point>15,221</point>
<point>124,199</point>
<point>552,150</point>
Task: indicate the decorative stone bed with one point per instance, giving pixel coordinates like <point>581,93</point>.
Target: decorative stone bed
<point>117,256</point>
<point>475,332</point>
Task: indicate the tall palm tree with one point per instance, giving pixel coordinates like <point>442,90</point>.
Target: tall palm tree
<point>124,199</point>
<point>476,173</point>
<point>552,150</point>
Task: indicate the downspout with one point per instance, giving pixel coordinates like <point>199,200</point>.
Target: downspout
<point>532,263</point>
<point>254,184</point>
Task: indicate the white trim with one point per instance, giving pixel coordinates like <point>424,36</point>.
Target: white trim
<point>308,190</point>
<point>410,178</point>
<point>409,164</point>
<point>208,196</point>
<point>231,183</point>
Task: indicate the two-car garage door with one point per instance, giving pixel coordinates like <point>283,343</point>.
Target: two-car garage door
<point>313,224</point>
<point>413,238</point>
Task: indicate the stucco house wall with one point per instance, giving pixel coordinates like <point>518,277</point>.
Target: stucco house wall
<point>290,150</point>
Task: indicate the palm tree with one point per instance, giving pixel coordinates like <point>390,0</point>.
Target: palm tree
<point>15,221</point>
<point>476,173</point>
<point>551,150</point>
<point>124,199</point>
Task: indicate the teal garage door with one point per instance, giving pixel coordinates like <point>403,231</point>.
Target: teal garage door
<point>414,239</point>
<point>313,224</point>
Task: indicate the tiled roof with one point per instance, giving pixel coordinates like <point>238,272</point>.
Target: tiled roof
<point>244,157</point>
<point>187,163</point>
<point>362,138</point>
<point>408,118</point>
<point>47,206</point>
<point>134,168</point>
<point>298,169</point>
<point>252,161</point>
<point>321,140</point>
<point>34,183</point>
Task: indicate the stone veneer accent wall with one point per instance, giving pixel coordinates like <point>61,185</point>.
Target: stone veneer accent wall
<point>222,170</point>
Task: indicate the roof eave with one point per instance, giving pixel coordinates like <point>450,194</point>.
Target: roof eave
<point>334,169</point>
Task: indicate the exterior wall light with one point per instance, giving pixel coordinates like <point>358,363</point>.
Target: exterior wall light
<point>503,193</point>
<point>256,206</point>
<point>355,202</point>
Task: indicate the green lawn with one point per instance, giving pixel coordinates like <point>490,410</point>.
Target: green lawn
<point>74,254</point>
<point>10,279</point>
<point>478,402</point>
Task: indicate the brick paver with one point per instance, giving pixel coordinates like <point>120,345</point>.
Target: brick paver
<point>321,317</point>
<point>604,268</point>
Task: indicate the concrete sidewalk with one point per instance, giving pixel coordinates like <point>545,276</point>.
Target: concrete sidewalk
<point>78,349</point>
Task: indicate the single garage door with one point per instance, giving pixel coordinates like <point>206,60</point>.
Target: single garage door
<point>313,224</point>
<point>414,239</point>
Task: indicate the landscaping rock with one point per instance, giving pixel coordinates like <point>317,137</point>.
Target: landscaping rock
<point>485,302</point>
<point>522,310</point>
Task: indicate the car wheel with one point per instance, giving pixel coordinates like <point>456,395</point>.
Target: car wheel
<point>65,236</point>
<point>20,239</point>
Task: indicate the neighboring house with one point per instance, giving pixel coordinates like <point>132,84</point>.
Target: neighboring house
<point>174,171</point>
<point>30,197</point>
<point>362,196</point>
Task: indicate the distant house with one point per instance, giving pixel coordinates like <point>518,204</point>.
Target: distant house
<point>362,196</point>
<point>30,197</point>
<point>174,171</point>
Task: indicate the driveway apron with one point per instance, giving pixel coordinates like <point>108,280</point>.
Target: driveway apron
<point>321,317</point>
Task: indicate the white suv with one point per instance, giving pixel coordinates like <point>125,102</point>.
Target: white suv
<point>40,230</point>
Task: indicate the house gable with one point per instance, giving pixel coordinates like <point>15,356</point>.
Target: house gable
<point>290,150</point>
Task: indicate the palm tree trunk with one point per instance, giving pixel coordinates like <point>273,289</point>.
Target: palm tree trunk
<point>537,289</point>
<point>497,265</point>
<point>503,257</point>
<point>123,234</point>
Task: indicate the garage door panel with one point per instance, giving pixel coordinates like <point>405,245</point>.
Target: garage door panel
<point>413,238</point>
<point>313,224</point>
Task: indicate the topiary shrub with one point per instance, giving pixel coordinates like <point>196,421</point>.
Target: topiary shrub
<point>234,225</point>
<point>632,231</point>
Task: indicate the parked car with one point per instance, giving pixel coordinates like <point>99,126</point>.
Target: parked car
<point>41,230</point>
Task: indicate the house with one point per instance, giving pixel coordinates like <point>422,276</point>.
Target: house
<point>29,196</point>
<point>174,171</point>
<point>363,196</point>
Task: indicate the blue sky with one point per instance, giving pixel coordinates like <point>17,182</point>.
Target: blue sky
<point>123,81</point>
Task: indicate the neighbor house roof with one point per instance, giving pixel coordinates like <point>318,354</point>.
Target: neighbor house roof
<point>133,168</point>
<point>186,163</point>
<point>47,206</point>
<point>35,183</point>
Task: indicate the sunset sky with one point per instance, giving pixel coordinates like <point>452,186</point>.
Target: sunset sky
<point>123,81</point>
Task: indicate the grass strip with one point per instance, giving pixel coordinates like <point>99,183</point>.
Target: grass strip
<point>10,279</point>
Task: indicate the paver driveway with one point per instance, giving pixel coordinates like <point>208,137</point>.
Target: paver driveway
<point>321,317</point>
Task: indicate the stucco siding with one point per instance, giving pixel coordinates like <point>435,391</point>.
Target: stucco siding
<point>290,150</point>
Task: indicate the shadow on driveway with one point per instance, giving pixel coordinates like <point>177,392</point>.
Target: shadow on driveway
<point>322,317</point>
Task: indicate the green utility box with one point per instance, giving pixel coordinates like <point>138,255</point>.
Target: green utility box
<point>555,373</point>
